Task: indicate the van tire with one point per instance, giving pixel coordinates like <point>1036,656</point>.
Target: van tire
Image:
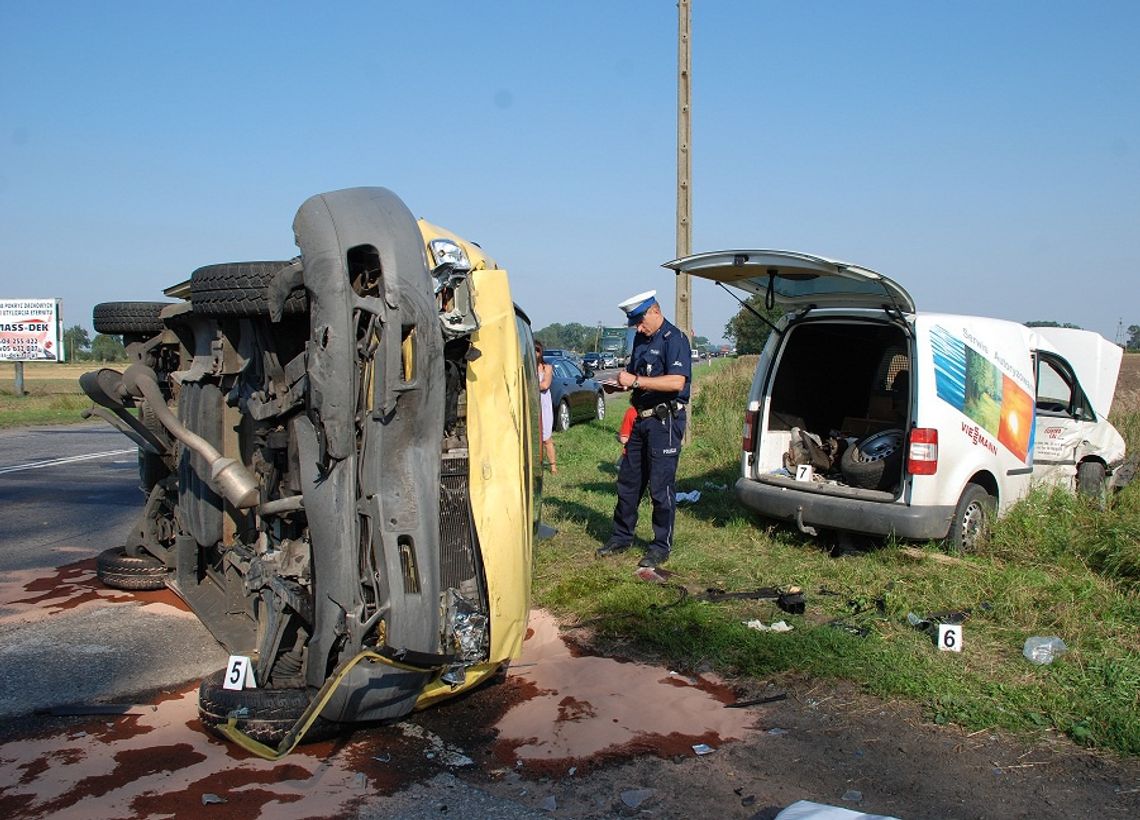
<point>1091,480</point>
<point>118,570</point>
<point>973,515</point>
<point>875,462</point>
<point>240,289</point>
<point>266,714</point>
<point>117,318</point>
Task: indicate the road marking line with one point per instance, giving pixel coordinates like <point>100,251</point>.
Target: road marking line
<point>54,462</point>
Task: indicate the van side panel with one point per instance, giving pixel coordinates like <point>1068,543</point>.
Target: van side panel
<point>975,386</point>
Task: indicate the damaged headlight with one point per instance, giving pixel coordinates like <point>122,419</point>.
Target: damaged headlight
<point>449,252</point>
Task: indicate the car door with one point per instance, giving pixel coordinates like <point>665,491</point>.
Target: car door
<point>1064,421</point>
<point>562,385</point>
<point>581,400</point>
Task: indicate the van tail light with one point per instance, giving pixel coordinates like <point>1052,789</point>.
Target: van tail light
<point>750,430</point>
<point>922,452</point>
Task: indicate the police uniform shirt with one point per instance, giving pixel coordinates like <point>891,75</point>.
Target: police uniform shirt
<point>665,353</point>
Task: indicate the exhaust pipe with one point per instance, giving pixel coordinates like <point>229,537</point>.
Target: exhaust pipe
<point>227,475</point>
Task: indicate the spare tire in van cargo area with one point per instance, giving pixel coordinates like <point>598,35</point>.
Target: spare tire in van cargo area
<point>874,462</point>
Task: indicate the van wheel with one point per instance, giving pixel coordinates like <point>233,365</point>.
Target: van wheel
<point>970,526</point>
<point>1091,480</point>
<point>600,411</point>
<point>266,715</point>
<point>562,420</point>
<point>875,462</point>
<point>240,289</point>
<point>118,570</point>
<point>114,318</point>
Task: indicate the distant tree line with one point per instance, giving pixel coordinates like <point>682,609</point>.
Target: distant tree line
<point>584,338</point>
<point>572,336</point>
<point>748,332</point>
<point>1041,323</point>
<point>78,346</point>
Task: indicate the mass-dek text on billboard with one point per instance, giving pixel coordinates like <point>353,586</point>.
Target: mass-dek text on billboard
<point>31,330</point>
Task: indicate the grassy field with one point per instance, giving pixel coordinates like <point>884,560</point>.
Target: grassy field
<point>1056,566</point>
<point>53,394</point>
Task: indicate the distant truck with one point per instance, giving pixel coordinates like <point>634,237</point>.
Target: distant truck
<point>619,342</point>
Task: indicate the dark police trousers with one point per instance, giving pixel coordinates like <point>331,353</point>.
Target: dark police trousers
<point>650,461</point>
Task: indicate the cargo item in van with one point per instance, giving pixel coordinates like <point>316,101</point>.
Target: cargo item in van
<point>918,425</point>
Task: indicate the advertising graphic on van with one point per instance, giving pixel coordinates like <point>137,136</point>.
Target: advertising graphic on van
<point>972,383</point>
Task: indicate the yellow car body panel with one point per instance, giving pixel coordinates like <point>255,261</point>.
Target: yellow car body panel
<point>502,436</point>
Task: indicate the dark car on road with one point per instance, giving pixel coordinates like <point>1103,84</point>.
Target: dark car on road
<point>593,360</point>
<point>575,395</point>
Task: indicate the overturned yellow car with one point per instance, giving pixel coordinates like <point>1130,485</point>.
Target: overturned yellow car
<point>341,461</point>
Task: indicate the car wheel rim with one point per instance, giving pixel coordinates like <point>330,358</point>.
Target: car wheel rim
<point>881,446</point>
<point>973,525</point>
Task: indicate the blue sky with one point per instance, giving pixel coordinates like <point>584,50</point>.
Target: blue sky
<point>984,155</point>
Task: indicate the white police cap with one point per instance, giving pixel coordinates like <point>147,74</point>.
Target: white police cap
<point>635,306</point>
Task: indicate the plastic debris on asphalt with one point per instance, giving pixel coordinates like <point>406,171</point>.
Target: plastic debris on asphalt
<point>703,749</point>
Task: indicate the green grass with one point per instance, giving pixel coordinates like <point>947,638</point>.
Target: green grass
<point>40,406</point>
<point>52,394</point>
<point>1056,565</point>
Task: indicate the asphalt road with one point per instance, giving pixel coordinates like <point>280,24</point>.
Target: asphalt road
<point>66,494</point>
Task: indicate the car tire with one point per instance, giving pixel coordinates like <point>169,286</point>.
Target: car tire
<point>875,462</point>
<point>240,289</point>
<point>600,407</point>
<point>562,417</point>
<point>267,715</point>
<point>973,515</point>
<point>1091,480</point>
<point>118,570</point>
<point>117,318</point>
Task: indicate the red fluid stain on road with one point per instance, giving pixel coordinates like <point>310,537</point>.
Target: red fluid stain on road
<point>164,766</point>
<point>31,595</point>
<point>555,710</point>
<point>589,709</point>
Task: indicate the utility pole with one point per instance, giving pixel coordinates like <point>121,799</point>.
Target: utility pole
<point>683,310</point>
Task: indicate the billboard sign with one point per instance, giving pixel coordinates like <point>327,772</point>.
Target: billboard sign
<point>31,330</point>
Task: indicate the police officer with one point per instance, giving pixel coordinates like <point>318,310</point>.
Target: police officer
<point>659,372</point>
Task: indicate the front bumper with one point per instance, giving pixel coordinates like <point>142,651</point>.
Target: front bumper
<point>862,511</point>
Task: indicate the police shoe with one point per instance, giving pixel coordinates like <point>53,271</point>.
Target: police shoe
<point>613,547</point>
<point>654,557</point>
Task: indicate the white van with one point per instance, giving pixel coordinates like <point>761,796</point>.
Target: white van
<point>866,416</point>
